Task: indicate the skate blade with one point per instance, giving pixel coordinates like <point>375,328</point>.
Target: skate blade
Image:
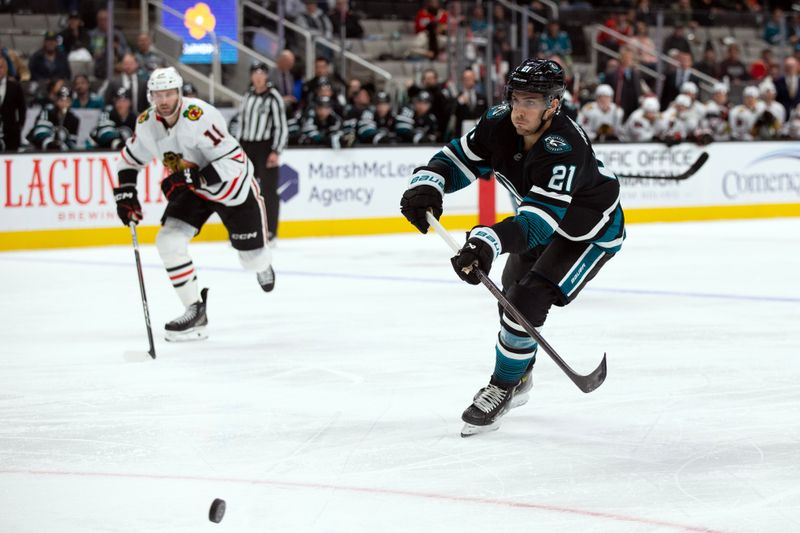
<point>469,429</point>
<point>137,356</point>
<point>194,334</point>
<point>519,399</point>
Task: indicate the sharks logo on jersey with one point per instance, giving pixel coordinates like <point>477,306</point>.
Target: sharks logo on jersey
<point>556,144</point>
<point>498,111</point>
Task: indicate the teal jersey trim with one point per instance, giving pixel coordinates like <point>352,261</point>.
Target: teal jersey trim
<point>537,231</point>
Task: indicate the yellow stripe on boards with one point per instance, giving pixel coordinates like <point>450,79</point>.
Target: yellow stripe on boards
<point>67,238</point>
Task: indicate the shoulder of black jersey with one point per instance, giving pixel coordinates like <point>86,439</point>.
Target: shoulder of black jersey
<point>562,137</point>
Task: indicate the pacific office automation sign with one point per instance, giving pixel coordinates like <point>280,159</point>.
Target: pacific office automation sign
<point>199,19</point>
<point>736,173</point>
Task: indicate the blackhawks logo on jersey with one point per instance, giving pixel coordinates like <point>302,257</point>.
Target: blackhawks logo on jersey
<point>173,161</point>
<point>556,144</point>
<point>143,117</point>
<point>193,112</point>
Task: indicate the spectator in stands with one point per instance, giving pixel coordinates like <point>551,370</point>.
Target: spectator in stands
<point>74,36</point>
<point>470,103</point>
<point>555,41</point>
<point>478,23</point>
<point>17,67</point>
<point>322,70</point>
<point>787,86</point>
<point>675,79</point>
<point>131,78</point>
<point>538,8</point>
<point>759,69</point>
<point>733,67</point>
<point>773,32</point>
<point>12,109</point>
<point>709,64</point>
<point>644,12</point>
<point>100,63</point>
<point>97,37</point>
<point>56,127</point>
<point>316,21</point>
<point>441,97</point>
<point>148,59</point>
<point>627,83</point>
<point>677,41</point>
<point>83,98</point>
<point>116,123</point>
<point>343,16</point>
<point>619,23</point>
<point>645,49</point>
<point>49,62</point>
<point>417,124</point>
<point>284,80</point>
<point>430,27</point>
<point>681,13</point>
<point>793,31</point>
<point>706,12</point>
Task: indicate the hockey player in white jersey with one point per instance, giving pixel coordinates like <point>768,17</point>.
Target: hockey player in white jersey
<point>743,117</point>
<point>715,125</point>
<point>602,119</point>
<point>791,129</point>
<point>644,124</point>
<point>696,110</point>
<point>209,173</point>
<point>678,122</point>
<point>772,115</point>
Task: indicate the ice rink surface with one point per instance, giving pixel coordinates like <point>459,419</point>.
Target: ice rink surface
<point>333,404</point>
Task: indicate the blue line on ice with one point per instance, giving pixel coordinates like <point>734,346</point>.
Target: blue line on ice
<point>407,279</point>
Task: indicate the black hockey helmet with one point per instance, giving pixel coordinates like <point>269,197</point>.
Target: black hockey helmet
<point>542,76</point>
<point>122,92</point>
<point>259,65</point>
<point>383,98</point>
<point>423,96</point>
<point>323,101</point>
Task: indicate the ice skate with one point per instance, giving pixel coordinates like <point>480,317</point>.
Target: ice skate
<point>266,279</point>
<point>488,406</point>
<point>191,326</point>
<point>523,388</point>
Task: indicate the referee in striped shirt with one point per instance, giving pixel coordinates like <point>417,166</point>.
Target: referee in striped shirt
<point>263,134</point>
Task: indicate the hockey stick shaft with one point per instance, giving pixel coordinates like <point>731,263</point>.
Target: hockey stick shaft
<point>135,238</point>
<point>692,170</point>
<point>586,383</point>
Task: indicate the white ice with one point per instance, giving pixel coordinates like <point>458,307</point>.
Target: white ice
<point>333,404</point>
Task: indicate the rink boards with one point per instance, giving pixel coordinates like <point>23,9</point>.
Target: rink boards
<point>65,199</point>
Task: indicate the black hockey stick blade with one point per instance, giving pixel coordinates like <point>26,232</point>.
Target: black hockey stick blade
<point>138,356</point>
<point>697,165</point>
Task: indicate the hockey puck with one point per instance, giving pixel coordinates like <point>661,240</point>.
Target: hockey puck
<point>217,511</point>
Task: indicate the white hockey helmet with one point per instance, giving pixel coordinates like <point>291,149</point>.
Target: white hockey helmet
<point>767,86</point>
<point>720,87</point>
<point>689,87</point>
<point>683,100</point>
<point>750,91</point>
<point>650,104</point>
<point>163,79</point>
<point>604,90</point>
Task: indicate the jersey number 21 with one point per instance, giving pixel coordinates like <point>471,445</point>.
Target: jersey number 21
<point>561,180</point>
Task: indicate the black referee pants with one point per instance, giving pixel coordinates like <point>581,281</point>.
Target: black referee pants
<point>258,151</point>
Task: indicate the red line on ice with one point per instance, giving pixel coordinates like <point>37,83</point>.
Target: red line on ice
<point>369,490</point>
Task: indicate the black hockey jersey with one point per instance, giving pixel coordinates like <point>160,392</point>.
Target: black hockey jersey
<point>559,184</point>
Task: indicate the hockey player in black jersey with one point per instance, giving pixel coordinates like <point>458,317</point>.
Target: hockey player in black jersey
<point>378,125</point>
<point>418,124</point>
<point>568,225</point>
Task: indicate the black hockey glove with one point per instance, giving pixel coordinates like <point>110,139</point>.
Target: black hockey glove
<point>128,207</point>
<point>480,251</point>
<point>425,192</point>
<point>179,182</point>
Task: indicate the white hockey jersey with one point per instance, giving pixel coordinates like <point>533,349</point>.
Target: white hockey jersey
<point>199,138</point>
<point>776,109</point>
<point>792,126</point>
<point>639,129</point>
<point>598,123</point>
<point>677,125</point>
<point>742,120</point>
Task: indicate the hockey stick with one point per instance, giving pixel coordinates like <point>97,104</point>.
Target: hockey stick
<point>586,383</point>
<point>699,162</point>
<point>134,355</point>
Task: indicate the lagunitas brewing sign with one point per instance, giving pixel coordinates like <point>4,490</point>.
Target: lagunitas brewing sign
<point>73,190</point>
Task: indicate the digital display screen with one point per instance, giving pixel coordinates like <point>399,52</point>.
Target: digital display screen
<point>220,16</point>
